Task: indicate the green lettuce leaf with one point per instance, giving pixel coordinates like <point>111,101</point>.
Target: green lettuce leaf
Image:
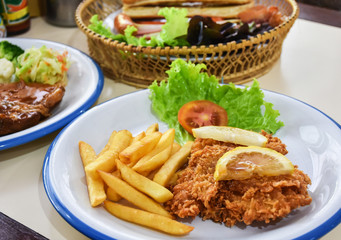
<point>98,27</point>
<point>175,27</point>
<point>173,32</point>
<point>131,39</point>
<point>187,82</point>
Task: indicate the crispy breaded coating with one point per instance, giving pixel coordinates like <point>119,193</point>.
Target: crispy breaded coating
<point>255,199</point>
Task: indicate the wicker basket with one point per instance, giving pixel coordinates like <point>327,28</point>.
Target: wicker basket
<point>140,66</point>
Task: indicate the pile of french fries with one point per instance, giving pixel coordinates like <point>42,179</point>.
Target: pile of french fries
<point>138,169</point>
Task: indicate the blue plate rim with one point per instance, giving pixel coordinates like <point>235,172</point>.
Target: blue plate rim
<point>20,140</point>
<point>85,229</point>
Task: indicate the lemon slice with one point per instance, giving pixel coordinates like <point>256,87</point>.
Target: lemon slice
<point>243,162</point>
<point>231,134</point>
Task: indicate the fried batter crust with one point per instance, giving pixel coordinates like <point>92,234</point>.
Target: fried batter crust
<point>255,199</point>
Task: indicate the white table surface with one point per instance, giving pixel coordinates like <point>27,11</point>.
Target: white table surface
<point>309,69</point>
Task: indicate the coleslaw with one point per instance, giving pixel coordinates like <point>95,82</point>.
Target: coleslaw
<point>43,65</point>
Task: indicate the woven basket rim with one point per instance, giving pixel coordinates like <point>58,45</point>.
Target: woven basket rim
<point>164,51</point>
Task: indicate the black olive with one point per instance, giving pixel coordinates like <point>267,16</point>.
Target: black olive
<point>195,30</point>
<point>204,31</point>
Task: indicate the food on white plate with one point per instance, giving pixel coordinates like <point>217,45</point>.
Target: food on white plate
<point>10,51</point>
<point>144,184</point>
<point>8,60</point>
<point>231,134</point>
<point>105,161</point>
<point>147,219</point>
<point>197,191</point>
<point>43,65</point>
<point>244,162</point>
<point>110,177</point>
<point>36,85</point>
<point>6,70</point>
<point>172,26</point>
<point>200,113</point>
<point>230,183</point>
<point>160,153</point>
<point>24,105</point>
<point>210,8</point>
<point>245,107</point>
<point>138,149</point>
<point>133,195</point>
<point>228,174</point>
<point>172,165</point>
<point>227,182</point>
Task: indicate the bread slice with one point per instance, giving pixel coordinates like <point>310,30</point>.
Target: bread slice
<point>224,11</point>
<point>131,3</point>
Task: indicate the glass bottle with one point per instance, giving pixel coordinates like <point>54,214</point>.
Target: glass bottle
<point>15,15</point>
<point>3,32</point>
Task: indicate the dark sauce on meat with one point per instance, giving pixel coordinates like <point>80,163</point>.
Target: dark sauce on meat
<point>23,105</point>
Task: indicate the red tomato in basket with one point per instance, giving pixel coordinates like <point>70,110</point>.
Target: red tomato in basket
<point>201,113</point>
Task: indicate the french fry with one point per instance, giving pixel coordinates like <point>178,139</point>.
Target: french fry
<point>175,148</point>
<point>144,184</point>
<point>94,183</point>
<point>112,195</point>
<point>86,152</point>
<point>138,137</point>
<point>132,195</point>
<point>120,141</point>
<point>174,178</point>
<point>107,161</point>
<point>152,128</point>
<point>166,140</point>
<point>147,219</point>
<point>140,148</point>
<point>96,190</point>
<point>107,146</point>
<point>177,160</point>
<point>117,173</point>
<point>155,162</point>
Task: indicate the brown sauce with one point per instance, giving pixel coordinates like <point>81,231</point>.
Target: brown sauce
<point>23,105</point>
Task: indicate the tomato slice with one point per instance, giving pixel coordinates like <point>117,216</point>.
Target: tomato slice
<point>200,113</point>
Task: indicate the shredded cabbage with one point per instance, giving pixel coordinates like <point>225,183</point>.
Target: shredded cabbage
<point>43,65</point>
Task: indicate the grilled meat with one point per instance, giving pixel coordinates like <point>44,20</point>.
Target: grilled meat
<point>24,105</point>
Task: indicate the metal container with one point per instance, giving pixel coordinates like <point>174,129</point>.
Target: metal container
<point>61,12</point>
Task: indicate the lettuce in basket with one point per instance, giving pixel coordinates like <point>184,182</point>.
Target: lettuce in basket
<point>187,82</point>
<point>98,27</point>
<point>173,32</point>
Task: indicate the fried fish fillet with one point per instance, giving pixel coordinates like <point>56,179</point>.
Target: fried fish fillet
<point>261,199</point>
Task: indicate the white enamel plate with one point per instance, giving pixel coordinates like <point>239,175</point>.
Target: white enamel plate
<point>84,87</point>
<point>312,138</point>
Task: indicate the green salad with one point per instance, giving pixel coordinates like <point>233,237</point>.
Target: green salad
<point>246,107</point>
<point>40,65</point>
<point>173,32</point>
<point>43,65</point>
